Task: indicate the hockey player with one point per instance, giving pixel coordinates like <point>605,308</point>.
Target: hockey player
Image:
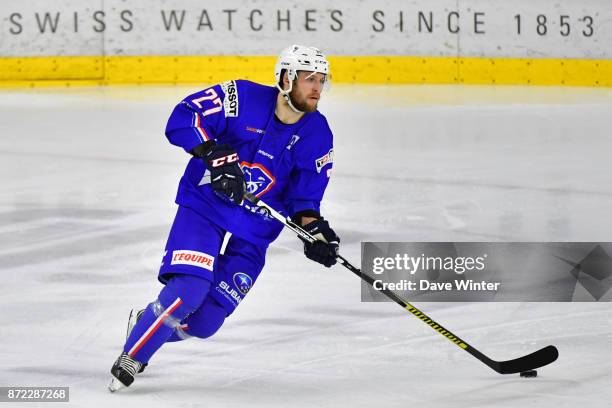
<point>242,136</point>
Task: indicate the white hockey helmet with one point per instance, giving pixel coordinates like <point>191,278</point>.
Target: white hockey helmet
<point>300,58</point>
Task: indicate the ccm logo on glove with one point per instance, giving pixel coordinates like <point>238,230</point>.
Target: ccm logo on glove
<point>224,160</point>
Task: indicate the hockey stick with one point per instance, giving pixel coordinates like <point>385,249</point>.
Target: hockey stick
<point>528,362</point>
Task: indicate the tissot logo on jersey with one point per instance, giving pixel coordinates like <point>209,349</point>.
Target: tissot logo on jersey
<point>324,160</point>
<point>258,179</point>
<point>230,102</point>
<point>193,258</point>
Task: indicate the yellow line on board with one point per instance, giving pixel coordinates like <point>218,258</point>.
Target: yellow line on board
<point>99,70</point>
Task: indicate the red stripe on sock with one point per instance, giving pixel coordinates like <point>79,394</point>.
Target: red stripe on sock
<point>159,322</point>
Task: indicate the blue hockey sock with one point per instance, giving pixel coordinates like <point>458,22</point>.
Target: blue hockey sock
<point>182,295</point>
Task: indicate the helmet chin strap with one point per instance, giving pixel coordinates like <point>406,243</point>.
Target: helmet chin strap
<point>287,98</point>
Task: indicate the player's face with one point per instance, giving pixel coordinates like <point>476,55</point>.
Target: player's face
<point>306,90</point>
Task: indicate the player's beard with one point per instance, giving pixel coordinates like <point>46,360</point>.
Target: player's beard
<point>300,102</point>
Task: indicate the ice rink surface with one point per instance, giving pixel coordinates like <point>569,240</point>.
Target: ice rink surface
<point>87,199</point>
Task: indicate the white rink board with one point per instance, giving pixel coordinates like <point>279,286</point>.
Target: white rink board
<point>492,28</point>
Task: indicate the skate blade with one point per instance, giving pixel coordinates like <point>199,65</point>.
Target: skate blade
<point>115,385</point>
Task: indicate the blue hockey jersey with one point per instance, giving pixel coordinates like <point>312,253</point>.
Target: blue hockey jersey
<point>288,166</point>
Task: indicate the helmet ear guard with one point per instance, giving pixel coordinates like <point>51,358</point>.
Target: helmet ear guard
<point>291,76</point>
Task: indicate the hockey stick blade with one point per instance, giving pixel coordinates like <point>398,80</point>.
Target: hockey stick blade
<point>531,361</point>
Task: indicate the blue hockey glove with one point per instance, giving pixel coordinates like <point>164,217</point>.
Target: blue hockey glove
<point>325,249</point>
<point>226,178</point>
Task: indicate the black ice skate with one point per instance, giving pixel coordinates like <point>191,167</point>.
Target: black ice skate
<point>123,371</point>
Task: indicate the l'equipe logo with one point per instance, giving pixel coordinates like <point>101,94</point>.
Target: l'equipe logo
<point>193,258</point>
